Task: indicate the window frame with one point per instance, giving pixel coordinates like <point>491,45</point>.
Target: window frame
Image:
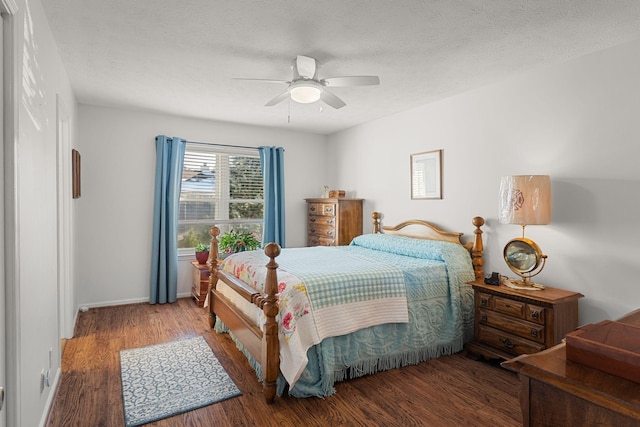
<point>222,191</point>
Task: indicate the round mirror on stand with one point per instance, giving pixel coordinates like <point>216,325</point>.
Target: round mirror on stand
<point>525,258</point>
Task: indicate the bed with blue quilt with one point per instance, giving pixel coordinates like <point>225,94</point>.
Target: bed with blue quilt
<point>308,317</point>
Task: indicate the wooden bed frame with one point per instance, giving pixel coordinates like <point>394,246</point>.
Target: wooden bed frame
<point>263,345</point>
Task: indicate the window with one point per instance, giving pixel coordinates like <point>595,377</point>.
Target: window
<point>221,186</point>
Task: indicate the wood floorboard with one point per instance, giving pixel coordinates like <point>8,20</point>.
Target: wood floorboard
<point>449,391</point>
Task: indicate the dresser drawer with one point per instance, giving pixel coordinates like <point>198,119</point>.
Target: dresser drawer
<point>522,328</point>
<point>322,230</point>
<point>510,307</point>
<point>536,314</point>
<point>507,342</point>
<point>324,209</point>
<point>484,300</point>
<point>321,220</point>
<point>320,241</point>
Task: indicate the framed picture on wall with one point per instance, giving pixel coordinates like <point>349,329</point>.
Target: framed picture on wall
<point>426,175</point>
<point>75,171</point>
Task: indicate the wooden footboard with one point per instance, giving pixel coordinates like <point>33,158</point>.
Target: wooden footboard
<point>263,344</point>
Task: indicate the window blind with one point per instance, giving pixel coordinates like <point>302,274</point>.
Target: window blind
<point>223,186</point>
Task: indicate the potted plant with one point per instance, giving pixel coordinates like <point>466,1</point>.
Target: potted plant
<point>202,253</point>
<point>233,241</point>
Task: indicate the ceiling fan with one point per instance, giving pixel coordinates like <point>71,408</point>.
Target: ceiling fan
<point>305,87</point>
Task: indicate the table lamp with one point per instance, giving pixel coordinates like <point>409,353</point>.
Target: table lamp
<point>525,200</point>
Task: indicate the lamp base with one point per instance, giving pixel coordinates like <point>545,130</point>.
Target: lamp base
<point>522,284</point>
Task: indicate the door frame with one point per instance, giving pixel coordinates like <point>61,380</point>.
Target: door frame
<point>9,361</point>
<point>66,297</point>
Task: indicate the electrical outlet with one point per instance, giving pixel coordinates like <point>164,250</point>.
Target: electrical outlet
<point>42,381</point>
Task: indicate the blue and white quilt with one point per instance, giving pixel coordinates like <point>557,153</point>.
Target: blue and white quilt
<point>384,301</point>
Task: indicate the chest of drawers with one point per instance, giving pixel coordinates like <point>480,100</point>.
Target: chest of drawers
<point>332,221</point>
<point>510,322</point>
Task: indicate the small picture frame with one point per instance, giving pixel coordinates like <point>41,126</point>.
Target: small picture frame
<point>75,171</point>
<point>426,175</point>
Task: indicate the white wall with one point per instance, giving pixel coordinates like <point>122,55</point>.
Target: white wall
<point>577,122</point>
<point>114,217</point>
<point>33,328</point>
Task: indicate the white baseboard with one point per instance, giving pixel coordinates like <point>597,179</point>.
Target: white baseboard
<point>124,301</point>
<point>50,398</point>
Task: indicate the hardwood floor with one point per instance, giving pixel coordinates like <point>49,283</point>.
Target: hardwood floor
<point>449,391</point>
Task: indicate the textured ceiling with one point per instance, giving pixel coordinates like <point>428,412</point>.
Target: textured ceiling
<point>180,57</point>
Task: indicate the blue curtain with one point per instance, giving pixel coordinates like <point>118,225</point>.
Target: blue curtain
<point>272,162</point>
<point>164,250</point>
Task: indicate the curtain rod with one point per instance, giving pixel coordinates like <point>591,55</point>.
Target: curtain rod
<point>221,145</point>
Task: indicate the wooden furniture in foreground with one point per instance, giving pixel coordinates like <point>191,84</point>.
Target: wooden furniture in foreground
<point>509,322</point>
<point>200,283</point>
<point>333,222</point>
<point>263,344</point>
<point>559,392</point>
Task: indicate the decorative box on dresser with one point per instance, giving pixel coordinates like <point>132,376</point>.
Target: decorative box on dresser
<point>333,221</point>
<point>200,284</point>
<point>510,322</point>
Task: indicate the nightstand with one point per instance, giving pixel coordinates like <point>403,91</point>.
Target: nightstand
<point>200,284</point>
<point>509,322</point>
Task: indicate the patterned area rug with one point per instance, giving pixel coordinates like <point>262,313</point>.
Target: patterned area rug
<point>168,379</point>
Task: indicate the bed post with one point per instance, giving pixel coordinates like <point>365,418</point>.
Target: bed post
<point>478,248</point>
<point>270,344</point>
<point>376,222</point>
<point>213,271</point>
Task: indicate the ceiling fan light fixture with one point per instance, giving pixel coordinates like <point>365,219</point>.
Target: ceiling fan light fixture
<point>307,88</point>
<point>305,93</point>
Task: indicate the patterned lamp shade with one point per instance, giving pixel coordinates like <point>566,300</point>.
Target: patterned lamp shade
<point>525,200</point>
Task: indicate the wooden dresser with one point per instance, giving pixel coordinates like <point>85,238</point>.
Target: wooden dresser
<point>559,392</point>
<point>510,322</point>
<point>333,222</point>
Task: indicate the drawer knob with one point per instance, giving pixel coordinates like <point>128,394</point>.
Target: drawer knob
<point>484,302</point>
<point>484,317</point>
<point>508,305</point>
<point>313,230</point>
<point>534,333</point>
<point>535,315</point>
<point>312,209</point>
<point>312,220</point>
<point>507,342</point>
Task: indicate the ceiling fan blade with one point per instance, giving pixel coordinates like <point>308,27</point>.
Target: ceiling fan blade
<point>306,66</point>
<point>331,100</point>
<point>262,80</point>
<point>278,99</point>
<point>351,81</point>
